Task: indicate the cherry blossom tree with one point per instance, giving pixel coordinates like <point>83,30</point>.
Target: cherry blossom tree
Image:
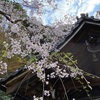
<point>27,36</point>
<point>97,14</point>
<point>29,39</point>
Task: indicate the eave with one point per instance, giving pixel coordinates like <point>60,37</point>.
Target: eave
<point>81,22</point>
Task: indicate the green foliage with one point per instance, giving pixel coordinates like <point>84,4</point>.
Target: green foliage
<point>17,6</point>
<point>32,59</point>
<point>3,96</point>
<point>4,53</point>
<point>68,60</point>
<point>5,0</point>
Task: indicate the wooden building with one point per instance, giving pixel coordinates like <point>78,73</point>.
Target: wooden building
<point>84,42</point>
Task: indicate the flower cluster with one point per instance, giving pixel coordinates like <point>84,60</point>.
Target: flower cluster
<point>37,98</point>
<point>3,67</point>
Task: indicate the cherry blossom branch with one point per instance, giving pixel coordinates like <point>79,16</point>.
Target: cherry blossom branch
<point>8,18</point>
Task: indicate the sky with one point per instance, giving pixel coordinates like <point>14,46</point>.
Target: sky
<point>72,8</point>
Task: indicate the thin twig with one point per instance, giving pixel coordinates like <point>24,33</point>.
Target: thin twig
<point>64,89</point>
<point>20,84</point>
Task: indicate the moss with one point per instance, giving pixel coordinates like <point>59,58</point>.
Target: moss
<point>15,63</point>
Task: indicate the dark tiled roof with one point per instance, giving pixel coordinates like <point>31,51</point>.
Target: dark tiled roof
<point>83,20</point>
